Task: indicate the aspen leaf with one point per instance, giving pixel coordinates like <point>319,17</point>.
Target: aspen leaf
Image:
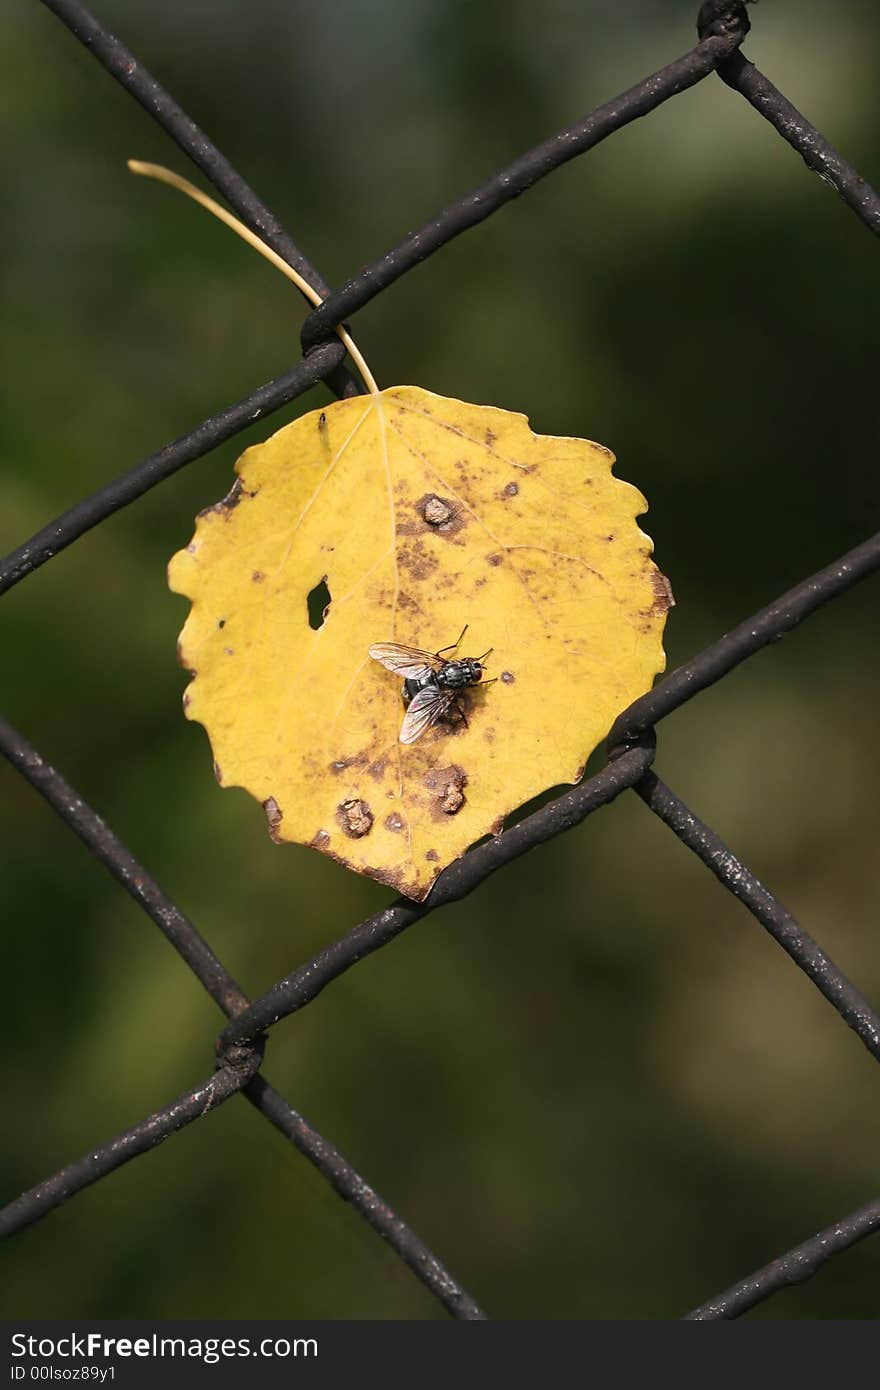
<point>419,514</point>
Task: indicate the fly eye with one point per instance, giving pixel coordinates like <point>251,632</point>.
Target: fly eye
<point>478,670</point>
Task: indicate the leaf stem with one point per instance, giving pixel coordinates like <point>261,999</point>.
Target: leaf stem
<point>163,175</point>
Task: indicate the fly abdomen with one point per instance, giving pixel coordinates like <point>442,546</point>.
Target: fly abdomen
<point>412,685</point>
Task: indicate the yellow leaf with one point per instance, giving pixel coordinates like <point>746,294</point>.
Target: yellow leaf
<point>422,514</point>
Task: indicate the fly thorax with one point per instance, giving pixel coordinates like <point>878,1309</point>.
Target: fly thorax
<point>457,674</point>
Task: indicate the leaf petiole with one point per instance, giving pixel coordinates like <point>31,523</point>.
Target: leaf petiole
<point>163,175</point>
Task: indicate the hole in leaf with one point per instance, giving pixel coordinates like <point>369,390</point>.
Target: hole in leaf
<point>318,603</point>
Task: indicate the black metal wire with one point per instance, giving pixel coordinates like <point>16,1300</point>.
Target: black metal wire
<point>351,1188</point>
<point>120,63</point>
<point>109,850</point>
<point>226,1082</point>
<point>566,811</point>
<point>319,328</point>
<point>304,985</point>
<point>748,637</point>
<point>814,149</point>
<point>236,1063</point>
<point>60,533</point>
<point>794,1267</point>
<point>786,932</point>
<point>722,25</point>
<point>116,59</point>
<point>522,173</point>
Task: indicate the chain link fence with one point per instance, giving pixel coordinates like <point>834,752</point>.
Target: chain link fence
<point>631,744</point>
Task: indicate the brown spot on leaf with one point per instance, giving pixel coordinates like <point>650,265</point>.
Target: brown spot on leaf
<point>452,723</point>
<point>355,818</point>
<point>511,490</point>
<point>417,560</point>
<point>395,878</point>
<point>218,773</point>
<point>395,822</point>
<point>436,511</point>
<point>258,576</point>
<point>229,502</point>
<point>377,769</point>
<point>446,785</point>
<point>229,651</point>
<point>489,735</point>
<point>440,515</point>
<point>508,677</point>
<point>495,559</point>
<point>182,661</point>
<point>663,598</point>
<point>233,496</point>
<point>453,799</point>
<point>319,839</point>
<point>432,855</point>
<point>340,764</point>
<point>221,622</point>
<point>490,437</point>
<point>646,617</point>
<point>274,815</point>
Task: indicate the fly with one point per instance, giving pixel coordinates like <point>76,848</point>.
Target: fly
<point>431,683</point>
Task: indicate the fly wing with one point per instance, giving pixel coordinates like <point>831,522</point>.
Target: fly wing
<point>409,662</point>
<point>425,708</point>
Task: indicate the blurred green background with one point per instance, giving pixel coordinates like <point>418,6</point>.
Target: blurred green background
<point>596,1088</point>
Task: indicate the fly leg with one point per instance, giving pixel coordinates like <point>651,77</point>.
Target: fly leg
<point>455,645</point>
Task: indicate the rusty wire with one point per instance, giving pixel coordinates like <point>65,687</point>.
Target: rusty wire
<point>722,26</point>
